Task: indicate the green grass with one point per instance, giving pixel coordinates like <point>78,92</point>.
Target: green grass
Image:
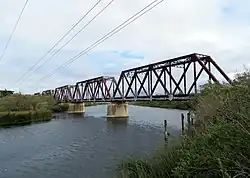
<point>220,147</point>
<point>18,109</point>
<point>23,117</point>
<point>19,102</point>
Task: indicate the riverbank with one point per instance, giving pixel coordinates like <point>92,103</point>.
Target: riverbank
<point>18,109</point>
<point>63,107</point>
<point>23,117</point>
<point>182,105</point>
<point>220,146</point>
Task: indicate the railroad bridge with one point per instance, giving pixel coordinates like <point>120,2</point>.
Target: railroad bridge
<point>172,79</point>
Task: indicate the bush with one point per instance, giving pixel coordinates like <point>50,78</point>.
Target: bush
<point>222,151</point>
<point>23,117</point>
<point>19,102</point>
<point>18,109</point>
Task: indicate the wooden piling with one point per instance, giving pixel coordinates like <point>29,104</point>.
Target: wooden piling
<point>165,131</point>
<point>182,123</point>
<point>189,124</point>
<point>192,126</point>
<point>188,118</point>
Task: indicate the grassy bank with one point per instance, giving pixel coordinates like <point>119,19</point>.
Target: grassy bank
<point>182,105</point>
<point>23,117</point>
<point>19,102</point>
<point>18,109</point>
<point>221,146</point>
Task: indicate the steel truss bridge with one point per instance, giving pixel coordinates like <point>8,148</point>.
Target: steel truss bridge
<point>173,79</point>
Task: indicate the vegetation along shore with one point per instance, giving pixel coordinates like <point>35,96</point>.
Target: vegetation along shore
<point>220,146</point>
<point>182,105</point>
<point>19,109</point>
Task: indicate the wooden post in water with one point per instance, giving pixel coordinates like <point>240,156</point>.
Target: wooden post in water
<point>182,123</point>
<point>189,122</point>
<point>165,131</point>
<point>192,125</point>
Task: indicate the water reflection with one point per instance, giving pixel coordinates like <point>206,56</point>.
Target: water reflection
<point>117,124</point>
<point>117,121</point>
<point>76,115</point>
<point>77,146</point>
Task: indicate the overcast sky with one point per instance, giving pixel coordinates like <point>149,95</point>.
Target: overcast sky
<point>219,28</point>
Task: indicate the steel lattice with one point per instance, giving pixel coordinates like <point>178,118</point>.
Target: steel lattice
<point>96,89</point>
<point>157,81</point>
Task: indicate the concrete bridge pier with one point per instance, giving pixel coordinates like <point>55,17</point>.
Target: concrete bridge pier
<point>117,109</point>
<point>76,108</point>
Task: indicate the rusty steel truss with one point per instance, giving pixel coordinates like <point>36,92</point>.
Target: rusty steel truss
<point>157,81</point>
<point>64,93</point>
<point>141,83</point>
<point>96,89</point>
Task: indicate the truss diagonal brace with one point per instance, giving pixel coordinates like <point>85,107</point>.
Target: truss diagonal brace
<point>172,78</point>
<point>182,76</point>
<point>159,80</point>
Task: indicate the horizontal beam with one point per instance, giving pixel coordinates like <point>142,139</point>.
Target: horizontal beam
<point>169,63</point>
<point>94,79</point>
<point>65,86</point>
<point>139,99</point>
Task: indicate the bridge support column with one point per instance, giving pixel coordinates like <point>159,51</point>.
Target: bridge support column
<point>117,110</point>
<point>76,108</point>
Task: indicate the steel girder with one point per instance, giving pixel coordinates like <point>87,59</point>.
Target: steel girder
<point>138,83</point>
<point>156,81</point>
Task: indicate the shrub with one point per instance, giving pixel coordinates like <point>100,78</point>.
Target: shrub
<point>23,117</point>
<point>19,102</point>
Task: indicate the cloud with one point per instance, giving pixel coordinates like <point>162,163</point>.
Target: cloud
<point>220,28</point>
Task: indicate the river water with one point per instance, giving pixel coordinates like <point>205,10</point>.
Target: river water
<point>89,147</point>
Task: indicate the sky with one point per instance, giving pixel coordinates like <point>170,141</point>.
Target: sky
<point>219,28</point>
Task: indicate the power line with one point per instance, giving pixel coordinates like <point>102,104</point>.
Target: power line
<point>14,29</point>
<point>81,19</point>
<point>56,52</point>
<point>108,35</point>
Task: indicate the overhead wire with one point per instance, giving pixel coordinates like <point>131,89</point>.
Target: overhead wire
<point>58,50</point>
<point>108,35</point>
<point>14,29</point>
<point>72,28</point>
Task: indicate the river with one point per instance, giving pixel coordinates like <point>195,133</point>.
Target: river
<point>89,147</point>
